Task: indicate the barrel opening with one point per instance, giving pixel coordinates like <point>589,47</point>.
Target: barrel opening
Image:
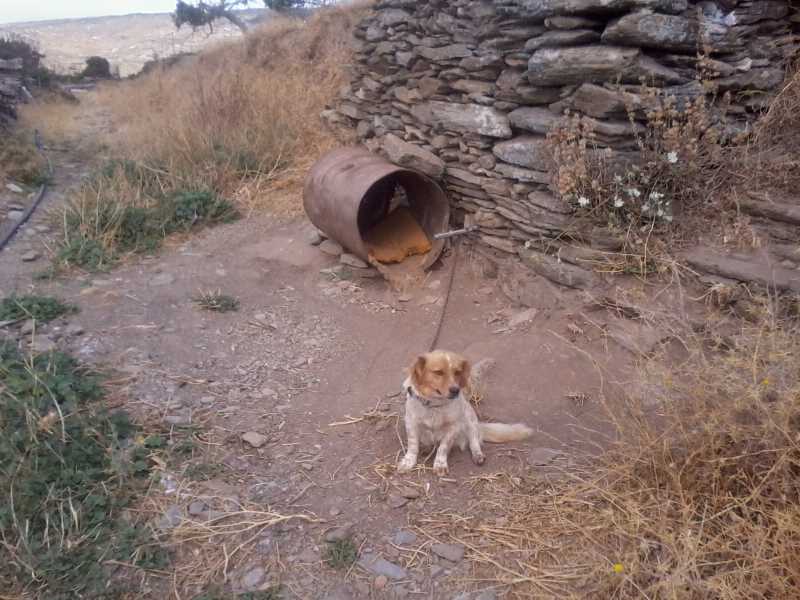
<point>376,210</point>
<point>392,215</point>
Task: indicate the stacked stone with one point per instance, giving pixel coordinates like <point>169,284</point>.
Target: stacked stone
<point>467,90</point>
<point>10,88</point>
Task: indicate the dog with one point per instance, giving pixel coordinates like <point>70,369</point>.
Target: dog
<point>438,412</point>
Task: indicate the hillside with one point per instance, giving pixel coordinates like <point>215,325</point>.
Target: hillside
<point>126,41</point>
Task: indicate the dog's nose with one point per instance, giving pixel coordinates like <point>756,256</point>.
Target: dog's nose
<point>454,391</point>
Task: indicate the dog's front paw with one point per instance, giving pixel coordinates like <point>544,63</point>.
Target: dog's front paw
<point>478,458</point>
<point>440,468</point>
<point>406,465</point>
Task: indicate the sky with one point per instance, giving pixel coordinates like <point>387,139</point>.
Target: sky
<point>13,11</point>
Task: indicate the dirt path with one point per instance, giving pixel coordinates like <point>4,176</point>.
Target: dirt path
<point>312,363</point>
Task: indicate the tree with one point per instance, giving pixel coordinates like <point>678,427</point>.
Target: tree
<point>203,14</point>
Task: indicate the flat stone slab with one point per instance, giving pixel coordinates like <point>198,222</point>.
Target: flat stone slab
<point>756,269</point>
<point>380,566</point>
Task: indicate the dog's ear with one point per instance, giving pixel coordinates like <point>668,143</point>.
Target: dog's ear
<point>463,373</point>
<point>418,369</point>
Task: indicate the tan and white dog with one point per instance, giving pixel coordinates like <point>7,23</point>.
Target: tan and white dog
<point>438,412</point>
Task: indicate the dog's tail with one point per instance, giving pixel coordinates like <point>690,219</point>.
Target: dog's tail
<point>498,433</point>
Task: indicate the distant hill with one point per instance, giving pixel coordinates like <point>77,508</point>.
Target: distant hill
<point>127,41</point>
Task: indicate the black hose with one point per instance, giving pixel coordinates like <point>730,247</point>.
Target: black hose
<point>25,216</point>
<point>39,195</point>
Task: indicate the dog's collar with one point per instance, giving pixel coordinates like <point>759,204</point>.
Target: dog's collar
<point>426,402</point>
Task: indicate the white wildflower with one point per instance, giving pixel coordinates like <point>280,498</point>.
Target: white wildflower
<point>633,192</point>
<point>617,178</point>
<point>672,157</point>
<point>583,201</point>
<point>656,196</point>
<point>618,202</point>
<point>668,218</point>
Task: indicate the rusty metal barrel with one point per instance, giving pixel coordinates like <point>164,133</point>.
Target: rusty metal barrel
<point>349,190</point>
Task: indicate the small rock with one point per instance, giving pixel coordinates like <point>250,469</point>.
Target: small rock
<point>183,420</point>
<point>339,533</point>
<point>409,492</point>
<point>253,578</point>
<point>255,439</point>
<point>42,228</point>
<point>197,508</point>
<point>15,215</point>
<point>341,593</point>
<point>523,317</point>
<point>380,566</point>
<point>162,279</point>
<point>74,330</point>
<point>351,260</point>
<point>207,400</point>
<point>404,538</point>
<point>335,511</point>
<point>396,501</point>
<point>42,344</point>
<point>300,362</point>
<point>315,238</point>
<point>486,595</point>
<point>28,327</point>
<point>541,457</point>
<point>428,300</point>
<point>171,518</point>
<point>330,247</point>
<point>13,187</point>
<point>405,298</point>
<point>307,466</point>
<point>452,552</point>
<point>381,581</point>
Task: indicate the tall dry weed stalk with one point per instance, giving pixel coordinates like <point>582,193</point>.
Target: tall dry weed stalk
<point>698,497</point>
<point>235,118</point>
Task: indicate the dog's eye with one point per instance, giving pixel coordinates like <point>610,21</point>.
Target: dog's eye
<point>438,373</point>
<point>457,373</point>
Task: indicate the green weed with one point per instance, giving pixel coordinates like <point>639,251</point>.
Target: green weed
<point>68,468</point>
<point>40,308</point>
<point>217,301</point>
<point>341,554</point>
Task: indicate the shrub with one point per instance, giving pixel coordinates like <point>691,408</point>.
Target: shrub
<point>97,67</point>
<point>41,308</point>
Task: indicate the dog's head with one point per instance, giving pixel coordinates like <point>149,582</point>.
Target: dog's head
<point>440,374</point>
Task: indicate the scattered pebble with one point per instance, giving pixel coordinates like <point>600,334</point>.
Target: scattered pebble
<point>315,238</point>
<point>28,327</point>
<point>42,343</point>
<point>253,578</point>
<point>13,187</point>
<point>452,552</point>
<point>541,457</point>
<point>183,420</point>
<point>255,439</point>
<point>410,493</point>
<point>307,466</point>
<point>15,215</point>
<point>396,501</point>
<point>339,533</point>
<point>351,260</point>
<point>75,330</point>
<point>381,581</point>
<point>380,566</point>
<point>330,247</point>
<point>171,518</point>
<point>162,279</point>
<point>197,508</point>
<point>523,317</point>
<point>404,538</point>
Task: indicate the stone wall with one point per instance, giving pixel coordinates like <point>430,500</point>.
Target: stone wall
<point>466,91</point>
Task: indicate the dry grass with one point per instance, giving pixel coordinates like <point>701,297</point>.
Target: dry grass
<point>697,498</point>
<point>241,119</point>
<point>61,122</point>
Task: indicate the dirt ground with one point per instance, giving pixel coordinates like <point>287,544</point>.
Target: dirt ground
<point>313,363</point>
